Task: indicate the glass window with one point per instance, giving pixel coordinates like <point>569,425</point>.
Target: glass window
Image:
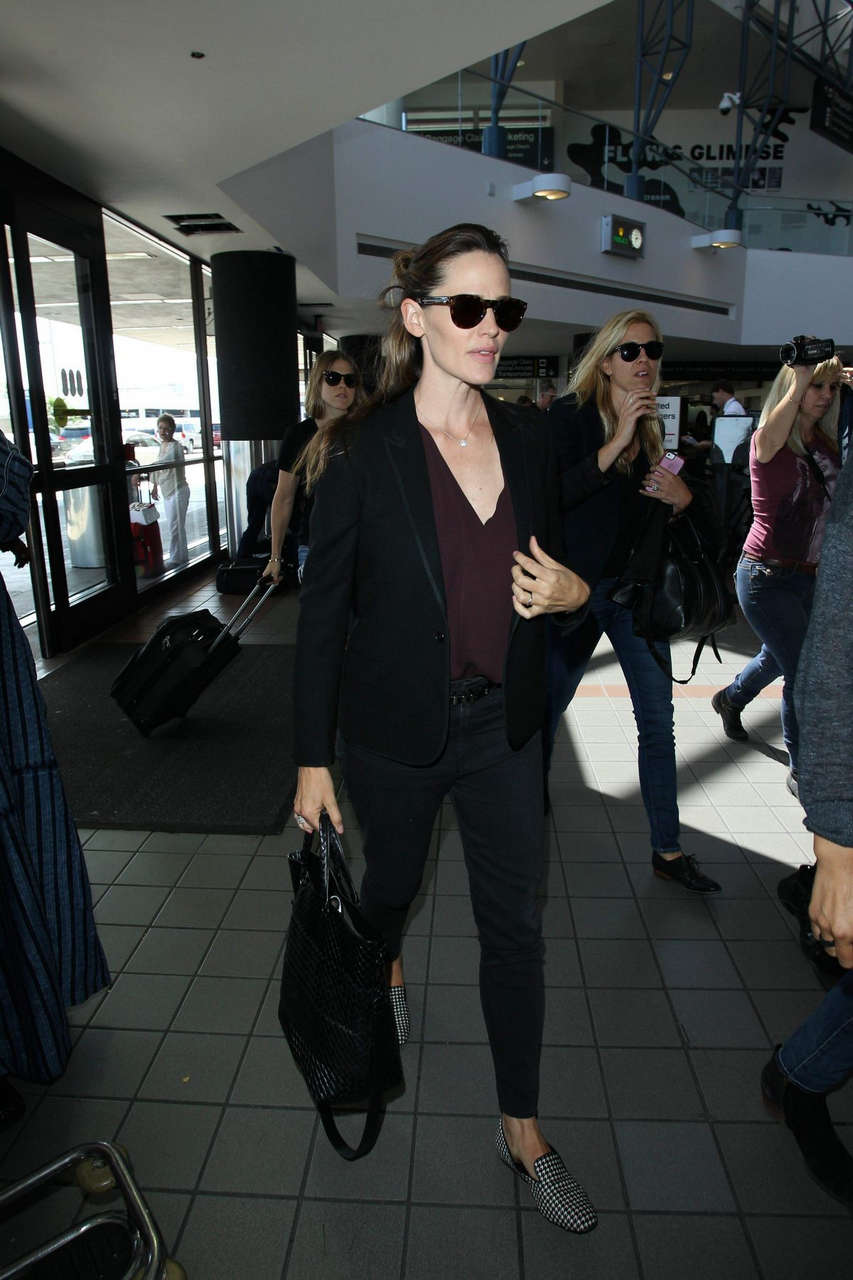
<point>17,580</point>
<point>212,378</point>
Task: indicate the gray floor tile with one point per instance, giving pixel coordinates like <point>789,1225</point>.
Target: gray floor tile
<point>768,1173</point>
<point>415,951</point>
<point>242,953</point>
<point>777,965</point>
<point>267,1023</point>
<point>457,1079</point>
<point>80,1015</point>
<point>154,868</point>
<point>230,844</point>
<point>673,1166</point>
<point>718,1020</point>
<point>170,1210</point>
<point>603,918</point>
<point>168,1141</point>
<point>567,1019</point>
<point>195,908</point>
<point>455,1163</point>
<point>730,1082</point>
<point>597,880</point>
<point>215,871</point>
<point>130,904</point>
<point>452,960</point>
<point>229,1005</point>
<point>571,1085</point>
<point>451,876</point>
<point>581,819</point>
<point>713,1247</point>
<point>795,1248</point>
<point>269,874</point>
<point>453,1013</point>
<point>170,951</point>
<point>259,1152</point>
<point>746,919</point>
<point>607,1251</point>
<point>479,1244</point>
<point>562,966</point>
<point>193,1068</point>
<point>118,941</point>
<point>107,1063</point>
<point>650,1084</point>
<point>268,1076</point>
<point>633,1017</point>
<point>696,963</point>
<point>738,879</point>
<point>117,840</point>
<point>57,1125</point>
<point>557,919</point>
<point>618,962</point>
<point>453,916</point>
<point>679,918</point>
<point>144,1001</point>
<point>353,1240</point>
<point>588,846</point>
<point>173,842</point>
<point>104,865</point>
<point>330,1177</point>
<point>226,1236</point>
<point>783,1011</point>
<point>258,909</point>
<point>588,1150</point>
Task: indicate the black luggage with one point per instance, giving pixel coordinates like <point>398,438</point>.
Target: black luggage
<point>165,677</point>
<point>238,577</point>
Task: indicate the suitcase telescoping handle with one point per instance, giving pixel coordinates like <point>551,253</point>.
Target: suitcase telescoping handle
<point>254,601</point>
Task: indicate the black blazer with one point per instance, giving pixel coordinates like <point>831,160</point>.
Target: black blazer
<point>373,651</point>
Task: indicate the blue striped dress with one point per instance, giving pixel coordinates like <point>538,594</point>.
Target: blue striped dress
<point>50,955</point>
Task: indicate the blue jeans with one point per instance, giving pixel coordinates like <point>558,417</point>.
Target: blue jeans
<point>819,1054</point>
<point>651,696</point>
<point>777,605</point>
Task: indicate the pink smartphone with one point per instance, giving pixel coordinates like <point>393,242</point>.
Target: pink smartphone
<point>671,462</point>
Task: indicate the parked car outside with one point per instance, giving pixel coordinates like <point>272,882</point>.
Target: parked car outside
<point>146,449</point>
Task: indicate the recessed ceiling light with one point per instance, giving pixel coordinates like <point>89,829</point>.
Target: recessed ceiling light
<point>197,53</point>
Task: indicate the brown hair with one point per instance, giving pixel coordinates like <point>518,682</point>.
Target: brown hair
<point>418,271</point>
<point>314,458</point>
<point>590,382</point>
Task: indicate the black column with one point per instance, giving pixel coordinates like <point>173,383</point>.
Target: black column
<point>254,313</point>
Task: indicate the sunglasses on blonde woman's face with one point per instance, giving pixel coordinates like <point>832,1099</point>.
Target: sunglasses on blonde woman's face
<point>332,377</point>
<point>468,309</point>
<point>629,351</point>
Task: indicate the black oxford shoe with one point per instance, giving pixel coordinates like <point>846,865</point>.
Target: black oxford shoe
<point>684,870</point>
<point>730,716</point>
<point>806,1115</point>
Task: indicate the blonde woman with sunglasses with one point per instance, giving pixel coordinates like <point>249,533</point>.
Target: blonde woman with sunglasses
<point>609,443</point>
<point>435,547</point>
<point>334,391</point>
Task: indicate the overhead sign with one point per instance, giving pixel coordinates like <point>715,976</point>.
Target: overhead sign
<point>532,147</point>
<point>528,367</point>
<point>832,114</point>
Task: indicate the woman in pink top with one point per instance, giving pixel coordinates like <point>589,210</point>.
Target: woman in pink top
<point>793,465</point>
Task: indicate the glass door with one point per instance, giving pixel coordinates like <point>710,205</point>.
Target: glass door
<point>72,432</point>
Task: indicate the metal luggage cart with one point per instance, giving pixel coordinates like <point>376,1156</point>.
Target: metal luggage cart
<point>107,1246</point>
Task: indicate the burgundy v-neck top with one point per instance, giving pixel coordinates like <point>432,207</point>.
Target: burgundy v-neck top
<point>476,562</point>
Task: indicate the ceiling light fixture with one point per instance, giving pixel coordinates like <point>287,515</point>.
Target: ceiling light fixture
<point>725,238</point>
<point>544,186</point>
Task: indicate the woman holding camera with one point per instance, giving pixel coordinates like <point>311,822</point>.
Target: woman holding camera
<point>793,465</point>
<point>421,635</point>
<point>609,444</point>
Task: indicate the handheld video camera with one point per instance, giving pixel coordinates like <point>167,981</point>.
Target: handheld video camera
<point>803,350</point>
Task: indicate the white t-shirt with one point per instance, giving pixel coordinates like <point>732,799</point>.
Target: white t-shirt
<point>732,407</point>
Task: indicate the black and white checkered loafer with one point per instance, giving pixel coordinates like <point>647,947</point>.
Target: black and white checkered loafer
<point>557,1195</point>
<point>400,1010</point>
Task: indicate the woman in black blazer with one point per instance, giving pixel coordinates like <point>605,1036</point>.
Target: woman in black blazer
<point>421,637</point>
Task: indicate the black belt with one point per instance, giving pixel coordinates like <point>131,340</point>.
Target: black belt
<point>470,690</point>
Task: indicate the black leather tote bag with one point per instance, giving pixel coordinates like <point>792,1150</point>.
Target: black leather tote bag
<point>334,1007</point>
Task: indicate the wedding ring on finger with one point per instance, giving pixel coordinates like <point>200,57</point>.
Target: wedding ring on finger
<point>530,599</point>
<point>654,487</point>
<point>301,822</point>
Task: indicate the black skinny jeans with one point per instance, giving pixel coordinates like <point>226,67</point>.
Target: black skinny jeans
<point>497,793</point>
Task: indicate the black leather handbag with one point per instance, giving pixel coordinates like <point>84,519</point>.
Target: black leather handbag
<point>334,1007</point>
<point>674,589</point>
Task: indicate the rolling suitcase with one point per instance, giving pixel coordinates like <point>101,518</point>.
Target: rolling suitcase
<point>147,549</point>
<point>165,677</point>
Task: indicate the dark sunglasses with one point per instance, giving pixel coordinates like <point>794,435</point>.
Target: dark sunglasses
<point>630,350</point>
<point>468,309</point>
<point>332,377</point>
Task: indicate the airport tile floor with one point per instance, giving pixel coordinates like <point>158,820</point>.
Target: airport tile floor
<point>662,1008</point>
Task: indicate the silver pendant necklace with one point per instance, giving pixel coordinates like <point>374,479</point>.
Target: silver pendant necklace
<point>462,441</point>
